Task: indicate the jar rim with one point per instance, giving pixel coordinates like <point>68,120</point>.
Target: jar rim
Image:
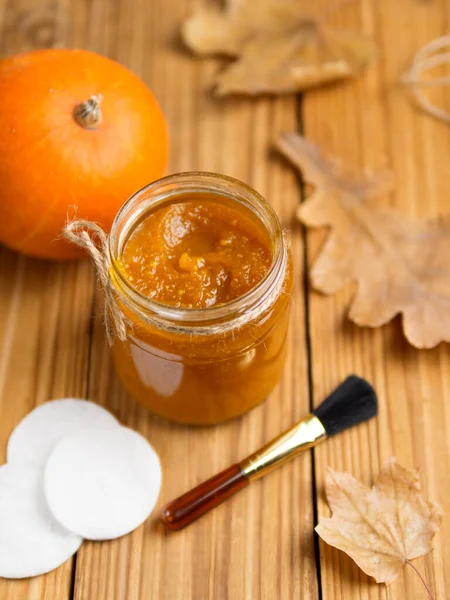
<point>166,189</point>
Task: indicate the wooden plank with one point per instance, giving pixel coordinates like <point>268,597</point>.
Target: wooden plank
<point>44,319</point>
<point>371,123</point>
<point>45,308</point>
<point>258,545</point>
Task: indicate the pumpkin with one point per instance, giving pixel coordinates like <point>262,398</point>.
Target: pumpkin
<point>79,134</point>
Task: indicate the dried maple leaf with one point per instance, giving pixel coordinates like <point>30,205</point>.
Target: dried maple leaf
<point>278,48</point>
<point>400,265</point>
<point>381,528</point>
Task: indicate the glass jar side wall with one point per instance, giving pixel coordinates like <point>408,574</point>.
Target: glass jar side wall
<point>208,382</point>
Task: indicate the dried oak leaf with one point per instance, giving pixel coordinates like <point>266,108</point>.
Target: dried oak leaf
<point>278,48</point>
<point>401,266</point>
<point>381,528</point>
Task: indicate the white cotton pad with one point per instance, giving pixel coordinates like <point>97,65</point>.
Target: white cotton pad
<point>32,542</point>
<point>102,483</point>
<point>34,437</point>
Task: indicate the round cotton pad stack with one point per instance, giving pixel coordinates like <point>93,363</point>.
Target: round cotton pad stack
<point>35,436</point>
<point>32,542</point>
<point>102,483</point>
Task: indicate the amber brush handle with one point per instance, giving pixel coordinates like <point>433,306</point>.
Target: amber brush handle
<point>195,503</point>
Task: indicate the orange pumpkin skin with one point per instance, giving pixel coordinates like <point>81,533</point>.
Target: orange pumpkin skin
<point>49,163</point>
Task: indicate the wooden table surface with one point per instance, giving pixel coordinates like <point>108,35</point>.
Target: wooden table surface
<point>260,544</point>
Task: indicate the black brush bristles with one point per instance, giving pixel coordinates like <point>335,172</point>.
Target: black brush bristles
<point>352,402</point>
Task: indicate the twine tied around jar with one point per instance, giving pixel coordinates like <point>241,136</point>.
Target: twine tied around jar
<point>94,239</point>
<point>434,54</point>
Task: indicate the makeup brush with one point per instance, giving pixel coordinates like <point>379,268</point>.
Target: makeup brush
<point>352,402</point>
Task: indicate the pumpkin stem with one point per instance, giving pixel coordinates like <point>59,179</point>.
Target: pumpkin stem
<point>88,114</point>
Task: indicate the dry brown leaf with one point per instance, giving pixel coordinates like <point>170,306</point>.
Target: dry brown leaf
<point>401,266</point>
<point>381,528</point>
<point>278,48</point>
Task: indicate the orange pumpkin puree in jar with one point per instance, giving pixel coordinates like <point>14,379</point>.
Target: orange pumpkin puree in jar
<point>203,281</point>
<point>196,253</point>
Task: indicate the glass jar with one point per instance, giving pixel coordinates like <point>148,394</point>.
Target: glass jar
<point>205,365</point>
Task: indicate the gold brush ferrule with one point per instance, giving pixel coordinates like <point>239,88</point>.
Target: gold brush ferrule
<point>302,436</point>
